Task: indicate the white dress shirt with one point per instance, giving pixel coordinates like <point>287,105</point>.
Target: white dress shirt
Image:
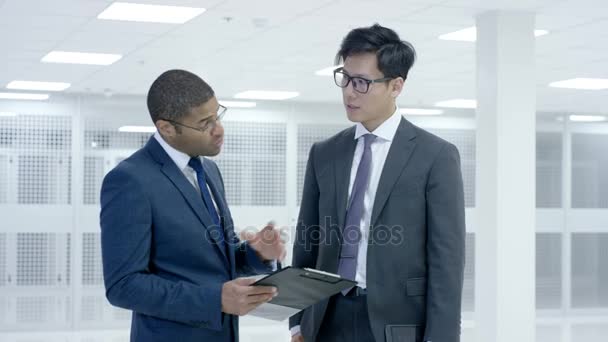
<point>385,134</point>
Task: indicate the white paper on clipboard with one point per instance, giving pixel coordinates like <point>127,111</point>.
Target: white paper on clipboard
<point>273,312</point>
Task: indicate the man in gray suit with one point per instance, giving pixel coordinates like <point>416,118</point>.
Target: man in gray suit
<point>382,204</point>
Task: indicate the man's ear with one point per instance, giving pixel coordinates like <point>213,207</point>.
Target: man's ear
<point>165,128</point>
<point>397,86</point>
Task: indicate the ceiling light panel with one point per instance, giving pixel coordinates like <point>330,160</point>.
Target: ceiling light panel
<point>126,11</point>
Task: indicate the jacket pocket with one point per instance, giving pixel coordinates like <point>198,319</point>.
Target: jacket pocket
<point>402,333</point>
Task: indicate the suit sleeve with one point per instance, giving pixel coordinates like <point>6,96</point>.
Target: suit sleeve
<point>126,233</point>
<point>248,262</point>
<point>445,246</point>
<point>305,247</point>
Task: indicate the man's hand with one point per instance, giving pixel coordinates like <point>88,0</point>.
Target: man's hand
<point>239,297</point>
<point>268,244</point>
<point>297,338</point>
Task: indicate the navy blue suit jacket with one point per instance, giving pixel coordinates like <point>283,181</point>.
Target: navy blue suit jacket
<point>159,258</point>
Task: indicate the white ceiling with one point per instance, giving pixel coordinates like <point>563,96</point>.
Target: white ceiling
<point>239,45</point>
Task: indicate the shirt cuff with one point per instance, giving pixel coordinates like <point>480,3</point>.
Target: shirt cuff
<point>295,330</point>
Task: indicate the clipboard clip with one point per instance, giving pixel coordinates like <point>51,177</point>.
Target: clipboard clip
<point>320,276</point>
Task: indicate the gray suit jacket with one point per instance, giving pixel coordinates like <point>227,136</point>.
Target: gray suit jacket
<point>415,258</point>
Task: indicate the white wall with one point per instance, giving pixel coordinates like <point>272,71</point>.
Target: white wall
<point>50,272</point>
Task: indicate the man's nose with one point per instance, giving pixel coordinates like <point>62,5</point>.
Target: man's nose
<point>349,90</point>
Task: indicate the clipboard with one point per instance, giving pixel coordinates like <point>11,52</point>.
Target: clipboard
<point>298,289</point>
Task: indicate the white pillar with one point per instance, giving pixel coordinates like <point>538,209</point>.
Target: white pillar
<point>506,120</point>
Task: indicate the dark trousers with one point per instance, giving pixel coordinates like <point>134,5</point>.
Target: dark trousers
<point>346,320</point>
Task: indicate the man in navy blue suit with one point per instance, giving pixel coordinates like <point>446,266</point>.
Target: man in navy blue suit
<point>169,249</point>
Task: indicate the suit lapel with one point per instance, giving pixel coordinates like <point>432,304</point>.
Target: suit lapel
<point>343,163</point>
<point>398,155</point>
<point>176,176</point>
<point>213,182</point>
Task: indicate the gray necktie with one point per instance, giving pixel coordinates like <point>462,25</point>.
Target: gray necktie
<point>352,232</point>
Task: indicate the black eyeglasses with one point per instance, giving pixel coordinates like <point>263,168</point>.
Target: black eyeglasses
<point>210,123</point>
<point>360,84</point>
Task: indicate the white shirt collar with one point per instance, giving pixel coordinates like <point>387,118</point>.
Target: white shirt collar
<point>180,158</point>
<point>386,130</point>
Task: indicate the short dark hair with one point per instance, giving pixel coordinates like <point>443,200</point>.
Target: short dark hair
<point>175,92</point>
<point>395,56</point>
